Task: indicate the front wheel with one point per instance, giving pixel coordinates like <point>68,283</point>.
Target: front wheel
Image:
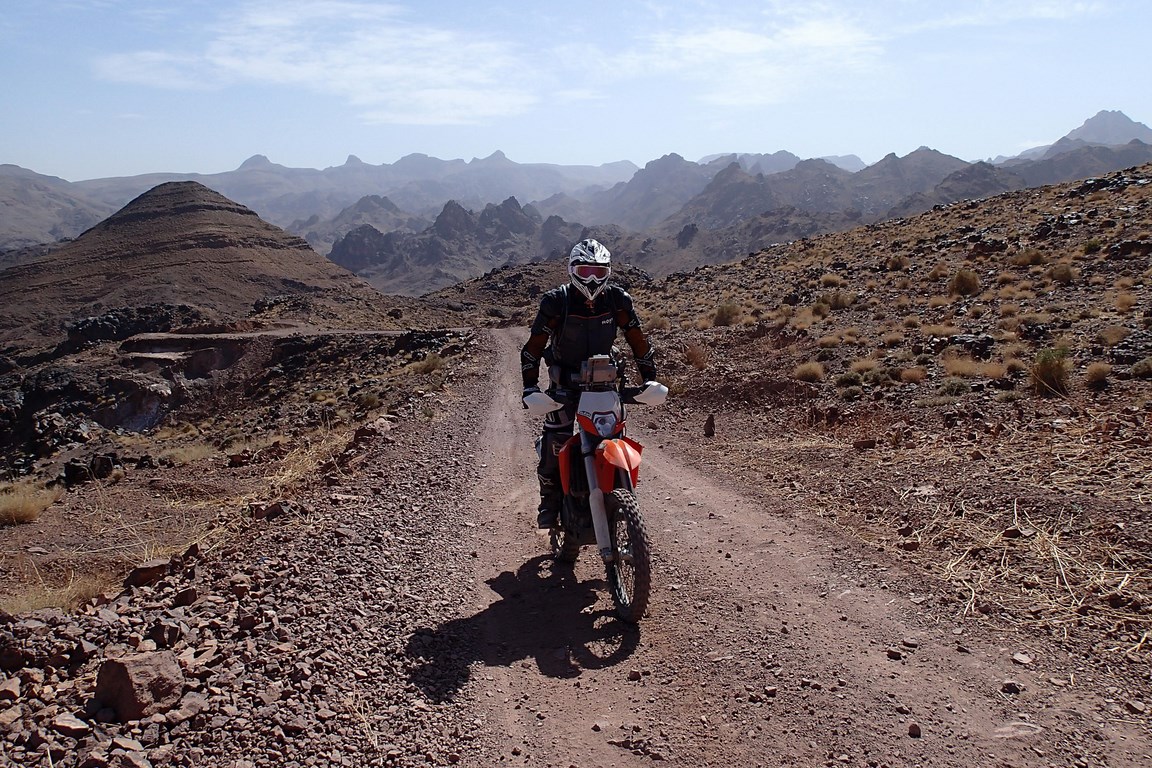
<point>630,572</point>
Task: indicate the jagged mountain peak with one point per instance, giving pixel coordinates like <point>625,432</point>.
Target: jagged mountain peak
<point>1111,127</point>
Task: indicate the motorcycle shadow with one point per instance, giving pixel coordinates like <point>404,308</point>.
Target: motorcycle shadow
<point>545,613</point>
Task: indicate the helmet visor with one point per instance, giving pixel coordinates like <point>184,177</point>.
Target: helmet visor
<point>595,272</point>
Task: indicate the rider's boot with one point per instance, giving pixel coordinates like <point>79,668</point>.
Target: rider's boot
<point>551,498</point>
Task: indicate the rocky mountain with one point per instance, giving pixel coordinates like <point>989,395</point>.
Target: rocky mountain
<point>178,245</point>
<point>1111,127</point>
<point>655,192</point>
<point>417,183</point>
<point>378,212</point>
<point>460,244</point>
<point>1105,128</point>
<point>43,209</point>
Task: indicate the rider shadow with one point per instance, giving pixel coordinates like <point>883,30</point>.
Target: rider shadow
<point>545,614</point>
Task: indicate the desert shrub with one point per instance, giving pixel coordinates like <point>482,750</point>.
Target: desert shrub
<point>432,362</point>
<point>1125,302</point>
<point>323,396</point>
<point>878,377</point>
<point>1112,335</point>
<point>659,322</point>
<point>953,387</point>
<point>820,309</point>
<point>940,330</point>
<point>366,401</point>
<point>851,394</point>
<point>1091,246</point>
<point>1005,278</point>
<point>697,355</point>
<point>1143,369</point>
<point>938,271</point>
<point>977,311</point>
<point>1009,310</point>
<point>1029,257</point>
<point>728,313</point>
<point>892,339</point>
<point>810,371</point>
<point>839,299</point>
<point>903,283</point>
<point>1050,372</point>
<point>831,280</point>
<point>913,375</point>
<point>187,454</point>
<point>1096,375</point>
<point>964,367</point>
<point>911,321</point>
<point>964,283</point>
<point>1061,273</point>
<point>23,503</point>
<point>829,341</point>
<point>850,379</point>
<point>1015,365</point>
<point>897,263</point>
<point>939,301</point>
<point>863,366</point>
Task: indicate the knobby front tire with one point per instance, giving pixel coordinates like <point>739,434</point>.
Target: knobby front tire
<point>565,545</point>
<point>630,572</point>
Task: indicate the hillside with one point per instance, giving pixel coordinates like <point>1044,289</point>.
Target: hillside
<point>178,244</point>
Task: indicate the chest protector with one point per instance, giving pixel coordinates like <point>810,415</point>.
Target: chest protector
<point>584,330</point>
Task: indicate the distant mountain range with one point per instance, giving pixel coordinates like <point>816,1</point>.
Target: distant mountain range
<point>422,223</point>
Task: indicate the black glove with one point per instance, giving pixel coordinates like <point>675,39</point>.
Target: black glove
<point>528,391</point>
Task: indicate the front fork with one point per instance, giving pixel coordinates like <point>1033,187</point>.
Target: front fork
<point>596,499</point>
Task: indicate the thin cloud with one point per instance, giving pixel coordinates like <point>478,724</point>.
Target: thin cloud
<point>737,67</point>
<point>391,69</point>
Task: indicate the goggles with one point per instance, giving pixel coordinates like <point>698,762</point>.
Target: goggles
<point>596,272</point>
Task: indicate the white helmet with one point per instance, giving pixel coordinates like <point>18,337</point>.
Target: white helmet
<point>589,266</point>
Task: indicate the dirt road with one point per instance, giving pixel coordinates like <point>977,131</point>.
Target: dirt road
<point>769,641</point>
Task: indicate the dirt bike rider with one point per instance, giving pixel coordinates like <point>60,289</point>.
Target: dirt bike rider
<point>575,321</point>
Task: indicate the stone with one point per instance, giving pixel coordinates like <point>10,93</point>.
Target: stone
<point>70,726</point>
<point>147,573</point>
<point>10,689</point>
<point>710,426</point>
<point>141,685</point>
<point>915,731</point>
<point>1011,687</point>
<point>191,705</point>
<point>1022,659</point>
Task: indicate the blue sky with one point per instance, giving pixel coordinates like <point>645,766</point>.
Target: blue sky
<point>97,88</point>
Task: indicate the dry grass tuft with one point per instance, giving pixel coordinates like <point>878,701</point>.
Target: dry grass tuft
<point>188,454</point>
<point>1050,373</point>
<point>810,371</point>
<point>1125,302</point>
<point>79,589</point>
<point>431,363</point>
<point>913,375</point>
<point>1096,375</point>
<point>1062,273</point>
<point>728,313</point>
<point>964,283</point>
<point>697,355</point>
<point>830,280</point>
<point>1112,335</point>
<point>24,503</point>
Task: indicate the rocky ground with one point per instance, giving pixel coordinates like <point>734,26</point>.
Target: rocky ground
<point>400,610</point>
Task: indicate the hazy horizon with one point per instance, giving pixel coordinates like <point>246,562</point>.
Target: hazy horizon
<point>98,88</point>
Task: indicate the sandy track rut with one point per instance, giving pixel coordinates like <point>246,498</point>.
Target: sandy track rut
<point>769,641</point>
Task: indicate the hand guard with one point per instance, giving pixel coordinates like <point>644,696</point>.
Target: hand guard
<point>528,391</point>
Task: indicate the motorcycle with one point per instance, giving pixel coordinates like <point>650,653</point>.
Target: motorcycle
<point>599,471</point>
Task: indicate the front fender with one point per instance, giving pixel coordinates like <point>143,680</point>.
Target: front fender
<point>618,453</point>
